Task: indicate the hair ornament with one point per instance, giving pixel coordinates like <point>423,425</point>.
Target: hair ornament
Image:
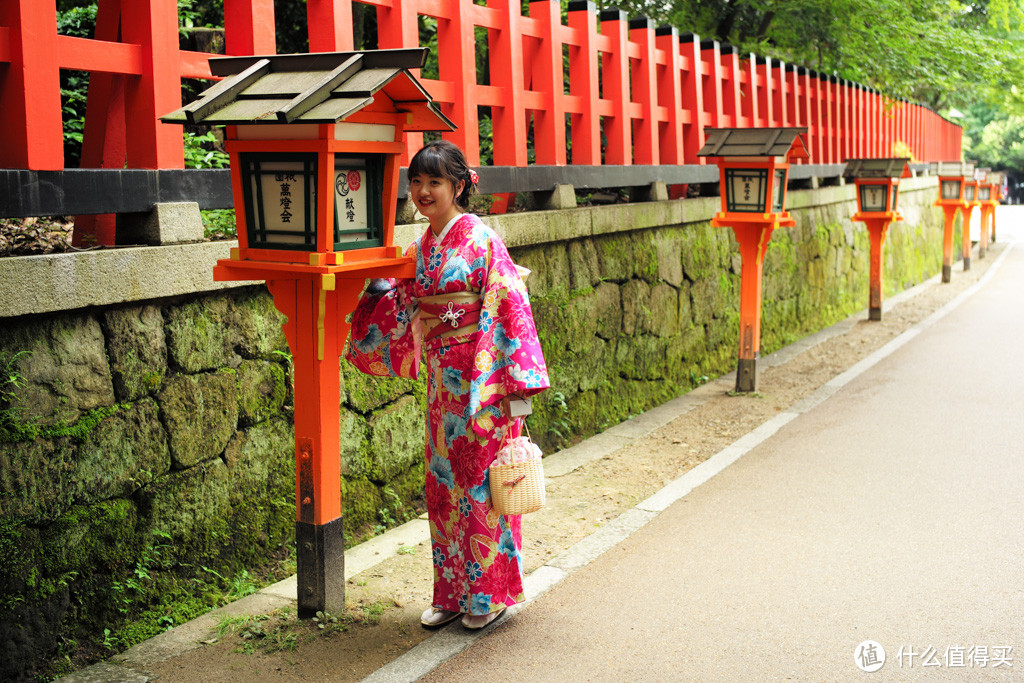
<point>473,177</point>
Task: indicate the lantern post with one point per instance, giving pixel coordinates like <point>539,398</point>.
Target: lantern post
<point>315,142</point>
<point>988,195</point>
<point>878,183</point>
<point>753,168</point>
<point>972,184</point>
<point>952,176</point>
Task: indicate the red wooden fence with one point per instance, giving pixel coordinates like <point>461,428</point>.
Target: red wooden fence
<point>620,91</point>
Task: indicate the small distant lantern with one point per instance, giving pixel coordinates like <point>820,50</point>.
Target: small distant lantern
<point>753,168</point>
<point>878,185</point>
<point>953,177</point>
<point>315,142</point>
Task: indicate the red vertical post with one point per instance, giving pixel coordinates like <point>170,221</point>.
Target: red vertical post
<point>846,102</point>
<point>780,106</point>
<point>670,136</point>
<point>153,25</point>
<point>103,141</point>
<point>642,75</point>
<point>249,27</point>
<point>805,108</point>
<point>753,243</point>
<point>831,120</point>
<point>505,52</point>
<point>693,97</point>
<point>730,86</point>
<point>750,92</point>
<point>398,27</point>
<point>860,122</point>
<point>712,84</point>
<point>766,101</point>
<point>30,88</point>
<point>793,111</point>
<point>583,84</point>
<point>549,123</point>
<point>330,25</point>
<point>456,57</point>
<point>877,229</point>
<point>615,77</point>
<point>965,232</point>
<point>816,129</point>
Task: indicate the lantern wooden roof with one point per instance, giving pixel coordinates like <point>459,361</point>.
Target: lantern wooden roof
<point>319,87</point>
<point>952,169</point>
<point>894,167</point>
<point>754,142</point>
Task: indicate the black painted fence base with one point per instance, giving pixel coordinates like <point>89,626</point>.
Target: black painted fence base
<point>746,375</point>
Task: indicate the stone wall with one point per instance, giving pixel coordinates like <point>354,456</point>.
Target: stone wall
<point>146,449</point>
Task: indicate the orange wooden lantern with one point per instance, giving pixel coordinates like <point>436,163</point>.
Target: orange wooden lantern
<point>972,183</point>
<point>952,179</point>
<point>989,195</point>
<point>315,141</point>
<point>878,184</point>
<point>753,168</point>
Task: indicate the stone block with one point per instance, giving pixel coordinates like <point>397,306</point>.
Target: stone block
<point>167,223</point>
<point>64,367</point>
<point>580,318</point>
<point>608,311</point>
<point>366,393</point>
<point>256,324</point>
<point>615,254</point>
<point>201,415</point>
<point>664,306</point>
<point>262,390</point>
<point>192,508</point>
<point>199,335</point>
<point>562,197</point>
<point>353,443</point>
<point>137,349</point>
<point>668,246</point>
<point>397,434</point>
<point>584,268</point>
<point>636,308</point>
<point>36,479</point>
<point>261,467</point>
<point>123,453</point>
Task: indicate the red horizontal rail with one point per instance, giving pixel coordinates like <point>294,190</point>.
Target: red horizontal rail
<point>656,92</point>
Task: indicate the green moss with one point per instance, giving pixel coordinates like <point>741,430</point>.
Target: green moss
<point>11,432</point>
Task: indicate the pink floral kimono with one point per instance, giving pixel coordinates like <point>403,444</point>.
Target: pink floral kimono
<point>494,353</point>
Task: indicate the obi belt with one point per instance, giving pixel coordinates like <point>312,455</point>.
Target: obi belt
<point>449,315</point>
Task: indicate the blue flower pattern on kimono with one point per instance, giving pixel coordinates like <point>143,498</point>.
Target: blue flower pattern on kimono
<point>504,343</point>
<point>456,270</point>
<point>371,341</point>
<point>439,557</point>
<point>474,571</point>
<point>464,507</point>
<point>454,427</point>
<point>481,604</point>
<point>453,382</point>
<point>485,321</point>
<point>435,259</point>
<point>506,544</point>
<point>482,492</point>
<point>441,468</point>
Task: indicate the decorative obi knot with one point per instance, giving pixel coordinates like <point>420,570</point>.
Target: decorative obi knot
<point>450,314</point>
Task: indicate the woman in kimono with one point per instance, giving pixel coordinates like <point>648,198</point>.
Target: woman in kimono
<point>468,313</point>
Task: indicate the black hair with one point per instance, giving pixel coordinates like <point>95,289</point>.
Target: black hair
<point>444,159</point>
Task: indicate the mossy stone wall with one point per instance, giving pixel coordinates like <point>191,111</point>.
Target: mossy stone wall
<point>146,461</point>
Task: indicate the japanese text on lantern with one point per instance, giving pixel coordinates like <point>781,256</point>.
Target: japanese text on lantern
<point>285,180</point>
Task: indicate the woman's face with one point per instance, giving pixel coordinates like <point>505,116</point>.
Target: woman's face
<point>434,197</point>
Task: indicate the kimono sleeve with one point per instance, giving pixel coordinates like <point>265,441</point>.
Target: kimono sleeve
<point>382,340</point>
<point>508,358</point>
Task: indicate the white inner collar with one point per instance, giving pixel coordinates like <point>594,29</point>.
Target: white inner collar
<point>438,238</point>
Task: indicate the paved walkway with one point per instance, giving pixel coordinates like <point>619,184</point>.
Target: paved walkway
<point>890,511</point>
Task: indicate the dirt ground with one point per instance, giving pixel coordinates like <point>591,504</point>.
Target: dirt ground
<point>384,603</point>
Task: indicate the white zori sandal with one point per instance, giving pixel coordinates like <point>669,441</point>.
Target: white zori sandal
<point>433,617</point>
<point>477,621</point>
